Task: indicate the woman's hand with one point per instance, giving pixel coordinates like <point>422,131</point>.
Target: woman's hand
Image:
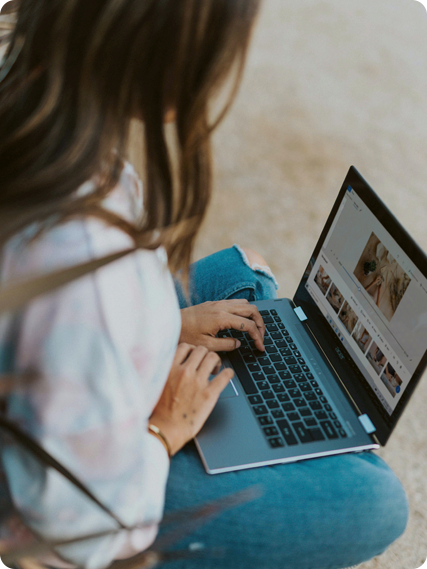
<point>188,397</point>
<point>202,322</point>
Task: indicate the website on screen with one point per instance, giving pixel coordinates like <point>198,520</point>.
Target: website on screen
<point>374,298</point>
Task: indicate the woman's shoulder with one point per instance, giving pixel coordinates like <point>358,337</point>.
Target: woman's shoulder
<point>34,251</point>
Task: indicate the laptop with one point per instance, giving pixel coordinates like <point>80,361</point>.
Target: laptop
<point>342,358</point>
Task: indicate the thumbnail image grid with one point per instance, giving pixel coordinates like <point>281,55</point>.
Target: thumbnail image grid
<point>348,317</point>
<point>361,337</point>
<point>391,380</point>
<point>381,276</point>
<point>323,280</point>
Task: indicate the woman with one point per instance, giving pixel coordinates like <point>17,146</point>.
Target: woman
<point>120,380</point>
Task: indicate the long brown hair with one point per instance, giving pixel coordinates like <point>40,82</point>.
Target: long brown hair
<point>87,67</point>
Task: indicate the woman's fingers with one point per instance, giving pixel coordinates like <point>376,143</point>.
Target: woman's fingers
<point>252,312</point>
<point>246,325</point>
<point>182,352</point>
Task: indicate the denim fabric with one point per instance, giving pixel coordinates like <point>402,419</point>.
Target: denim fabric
<point>325,513</point>
<point>226,275</point>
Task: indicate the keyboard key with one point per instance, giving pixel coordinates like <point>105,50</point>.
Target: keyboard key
<point>267,340</point>
<point>273,312</point>
<point>254,367</point>
<point>273,379</point>
<point>245,350</point>
<point>268,394</point>
<point>273,404</point>
<point>287,432</point>
<point>300,377</point>
<point>317,434</point>
<point>283,397</point>
<point>280,325</point>
<point>268,319</point>
<point>337,424</point>
<point>323,399</point>
<point>289,339</point>
<point>305,386</point>
<point>278,388</point>
<point>249,358</point>
<point>328,407</point>
<point>310,396</point>
<point>266,420</point>
<point>310,422</point>
<point>290,384</point>
<point>270,431</point>
<point>288,407</point>
<point>302,433</point>
<point>285,375</point>
<point>318,391</point>
<point>281,344</point>
<point>290,360</point>
<point>297,354</point>
<point>342,433</point>
<point>264,312</point>
<point>270,349</point>
<point>305,368</point>
<point>295,393</point>
<point>258,376</point>
<point>285,332</point>
<point>263,361</point>
<point>277,319</point>
<point>301,361</point>
<point>316,405</point>
<point>310,376</point>
<point>263,385</point>
<point>332,416</point>
<point>242,373</point>
<point>272,327</point>
<point>276,442</point>
<point>269,370</point>
<point>260,410</point>
<point>237,334</point>
<point>276,335</point>
<point>255,399</point>
<point>278,414</point>
<point>328,429</point>
<point>305,412</point>
<point>292,345</point>
<point>280,366</point>
<point>294,369</point>
<point>285,351</point>
<point>294,416</point>
<point>299,402</point>
<point>276,358</point>
<point>321,415</point>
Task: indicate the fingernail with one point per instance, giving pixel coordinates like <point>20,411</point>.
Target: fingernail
<point>238,344</point>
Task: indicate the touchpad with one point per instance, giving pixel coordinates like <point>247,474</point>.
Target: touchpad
<point>229,391</point>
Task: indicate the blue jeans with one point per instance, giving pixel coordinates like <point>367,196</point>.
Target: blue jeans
<point>331,512</point>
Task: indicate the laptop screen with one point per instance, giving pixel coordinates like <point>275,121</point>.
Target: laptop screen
<point>372,295</point>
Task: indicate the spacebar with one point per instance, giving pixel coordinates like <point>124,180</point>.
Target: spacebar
<point>242,373</point>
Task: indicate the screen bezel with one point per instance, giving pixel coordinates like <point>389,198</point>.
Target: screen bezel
<point>317,325</point>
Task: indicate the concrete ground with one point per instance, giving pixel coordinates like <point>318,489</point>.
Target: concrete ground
<point>330,83</point>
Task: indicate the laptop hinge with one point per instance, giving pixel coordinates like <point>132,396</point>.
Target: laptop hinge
<point>367,424</point>
<point>300,313</point>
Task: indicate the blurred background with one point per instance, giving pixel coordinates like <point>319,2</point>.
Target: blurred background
<point>330,83</point>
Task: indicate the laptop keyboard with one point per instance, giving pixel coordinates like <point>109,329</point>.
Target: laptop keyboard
<point>286,399</point>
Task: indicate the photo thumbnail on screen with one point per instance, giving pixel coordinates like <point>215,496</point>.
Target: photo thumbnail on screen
<point>323,280</point>
<point>391,380</point>
<point>381,276</point>
<point>348,317</point>
<point>376,358</point>
<point>335,298</point>
<point>362,337</point>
